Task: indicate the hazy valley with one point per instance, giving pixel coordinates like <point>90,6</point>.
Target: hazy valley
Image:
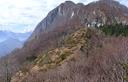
<point>10,41</point>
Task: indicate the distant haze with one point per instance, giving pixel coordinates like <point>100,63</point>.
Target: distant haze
<point>9,41</point>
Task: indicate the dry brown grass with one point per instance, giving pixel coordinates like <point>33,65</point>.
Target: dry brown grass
<point>101,64</point>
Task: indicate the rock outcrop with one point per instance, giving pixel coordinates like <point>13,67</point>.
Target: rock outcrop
<point>94,14</point>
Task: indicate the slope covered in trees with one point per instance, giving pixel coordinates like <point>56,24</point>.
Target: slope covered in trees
<point>115,30</point>
<point>86,55</point>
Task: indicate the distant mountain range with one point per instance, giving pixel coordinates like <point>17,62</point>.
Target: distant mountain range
<point>10,40</point>
<point>4,35</point>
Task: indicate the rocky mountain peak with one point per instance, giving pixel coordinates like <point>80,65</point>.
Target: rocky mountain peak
<point>106,0</point>
<point>94,14</point>
<point>68,3</point>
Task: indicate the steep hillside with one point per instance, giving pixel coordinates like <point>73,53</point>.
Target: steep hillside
<point>73,45</point>
<point>68,17</point>
<point>85,56</point>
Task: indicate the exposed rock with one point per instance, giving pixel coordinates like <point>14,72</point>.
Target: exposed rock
<point>94,14</point>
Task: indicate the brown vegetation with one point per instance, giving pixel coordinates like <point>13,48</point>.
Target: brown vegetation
<point>92,58</point>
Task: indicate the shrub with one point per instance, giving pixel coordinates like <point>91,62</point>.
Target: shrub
<point>24,70</point>
<point>31,58</point>
<point>125,67</point>
<point>115,29</point>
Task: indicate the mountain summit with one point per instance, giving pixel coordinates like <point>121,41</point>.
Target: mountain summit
<point>94,14</point>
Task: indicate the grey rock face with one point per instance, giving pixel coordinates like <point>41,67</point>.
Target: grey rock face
<point>94,14</point>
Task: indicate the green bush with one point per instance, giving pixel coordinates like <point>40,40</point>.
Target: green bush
<point>31,58</point>
<point>115,30</point>
<point>24,70</point>
<point>125,67</point>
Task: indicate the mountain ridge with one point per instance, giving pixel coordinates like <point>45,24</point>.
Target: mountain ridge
<point>8,34</point>
<point>94,14</point>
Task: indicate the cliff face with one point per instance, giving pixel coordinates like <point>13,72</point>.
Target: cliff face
<point>94,14</point>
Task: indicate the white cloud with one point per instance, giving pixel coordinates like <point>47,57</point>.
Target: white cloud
<point>125,2</point>
<point>24,15</point>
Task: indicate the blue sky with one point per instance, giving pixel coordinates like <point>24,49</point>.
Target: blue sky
<point>24,15</point>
